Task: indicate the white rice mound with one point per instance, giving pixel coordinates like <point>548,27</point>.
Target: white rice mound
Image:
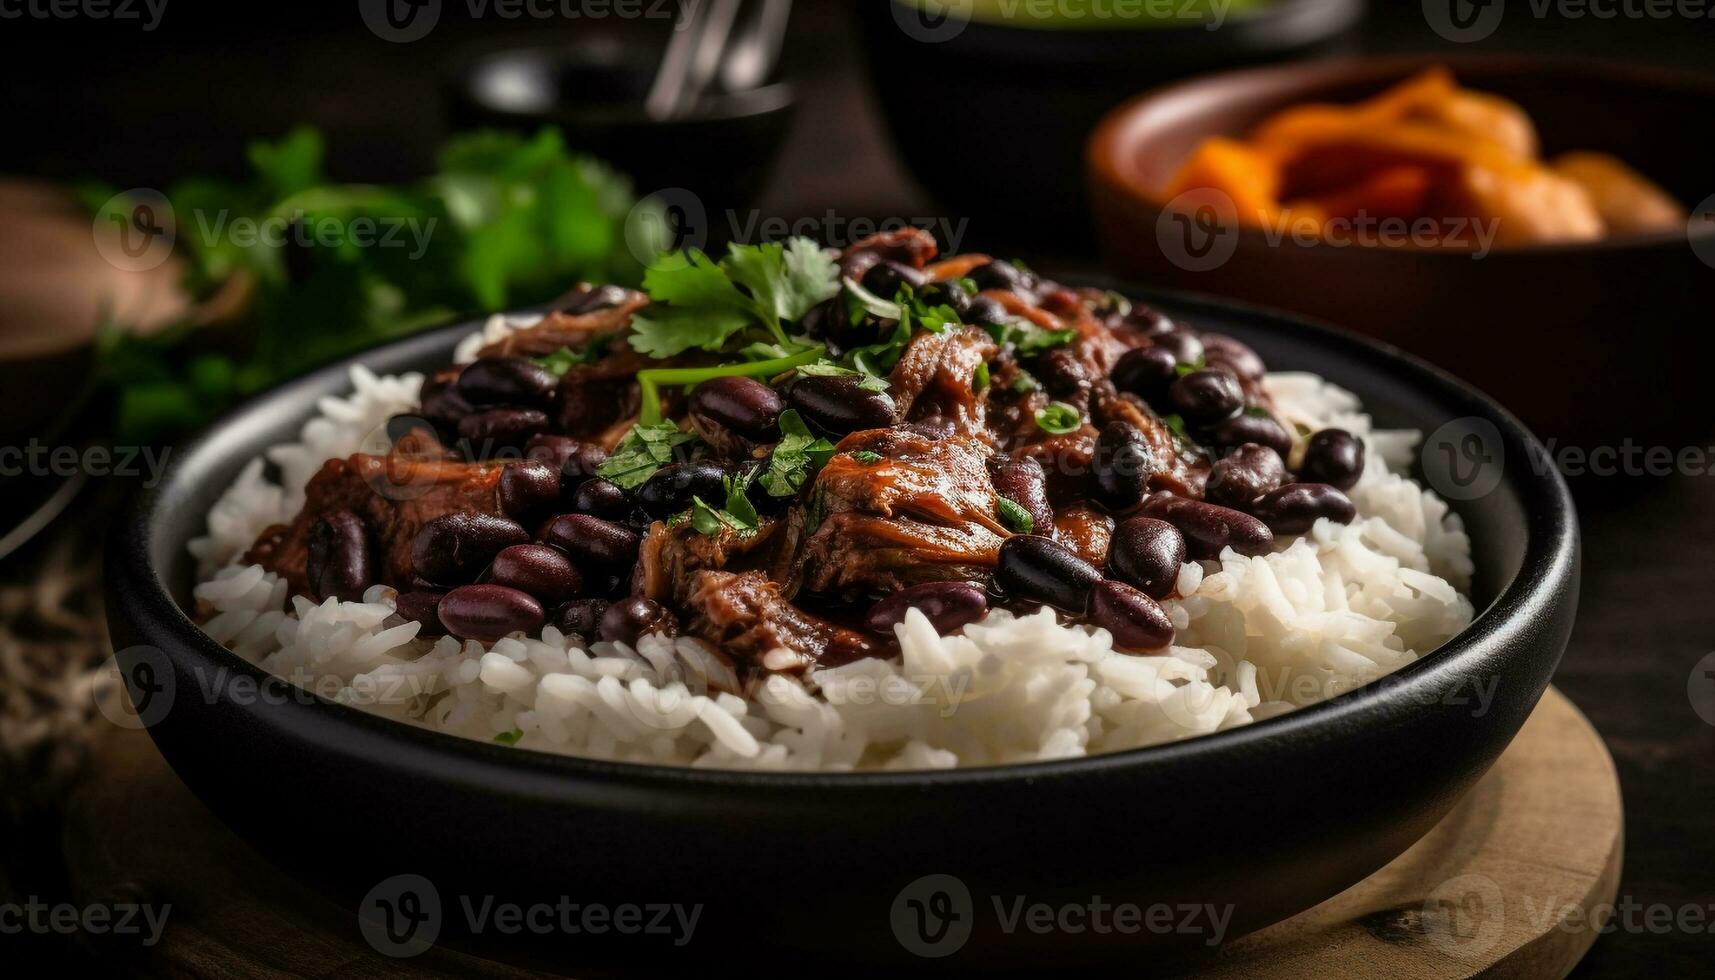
<point>1326,612</point>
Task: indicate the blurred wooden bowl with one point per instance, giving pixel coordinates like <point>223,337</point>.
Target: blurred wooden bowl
<point>1592,344</point>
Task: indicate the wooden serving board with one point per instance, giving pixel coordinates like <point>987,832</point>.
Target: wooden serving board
<point>1512,883</point>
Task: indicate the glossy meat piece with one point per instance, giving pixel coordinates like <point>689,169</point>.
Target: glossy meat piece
<point>557,330</point>
<point>912,246</point>
<point>746,616</point>
<point>936,377</point>
<point>671,556</point>
<point>1186,468</point>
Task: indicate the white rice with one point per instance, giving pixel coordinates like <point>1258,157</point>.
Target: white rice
<point>1326,612</point>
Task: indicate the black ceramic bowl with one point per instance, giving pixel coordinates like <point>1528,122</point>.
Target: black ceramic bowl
<point>721,150</point>
<point>955,90</point>
<point>1258,822</point>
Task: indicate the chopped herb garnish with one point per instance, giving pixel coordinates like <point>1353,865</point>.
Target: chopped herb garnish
<point>1024,384</point>
<point>867,458</point>
<point>1183,369</point>
<point>511,737</point>
<point>860,301</point>
<point>1258,412</point>
<point>1016,518</point>
<point>980,378</point>
<point>645,449</point>
<point>712,520</point>
<point>798,455</point>
<point>828,369</point>
<point>1176,425</point>
<point>651,381</point>
<point>1027,337</point>
<point>565,358</point>
<point>702,304</point>
<point>1059,418</point>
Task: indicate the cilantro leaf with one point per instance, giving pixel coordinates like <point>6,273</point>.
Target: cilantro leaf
<point>828,369</point>
<point>867,458</point>
<point>671,330</point>
<point>1015,517</point>
<point>711,521</point>
<point>795,458</point>
<point>645,449</point>
<point>700,303</point>
<point>511,737</point>
<point>565,358</point>
<point>980,377</point>
<point>1059,418</point>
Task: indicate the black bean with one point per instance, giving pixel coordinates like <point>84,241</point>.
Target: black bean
<point>838,405</point>
<point>1207,397</point>
<point>670,490</point>
<point>1146,372</point>
<point>885,277</point>
<point>401,426</point>
<point>424,608</point>
<point>486,613</point>
<point>1133,618</point>
<point>1003,276</point>
<point>948,606</point>
<point>1334,457</point>
<point>1220,350</point>
<point>1183,345</point>
<point>573,458</point>
<point>592,542</point>
<point>528,489</point>
<point>1248,473</point>
<point>950,293</point>
<point>500,431</point>
<point>1025,483</point>
<point>629,620</point>
<point>986,310</point>
<point>544,572</point>
<point>1147,553</point>
<point>595,299</point>
<point>857,264</point>
<point>508,381</point>
<point>766,504</point>
<point>1037,569</point>
<point>1123,464</point>
<point>441,401</point>
<point>453,548</point>
<point>1062,373</point>
<point>1247,427</point>
<point>1295,508</point>
<point>339,562</point>
<point>601,498</point>
<point>1148,321</point>
<point>744,406</point>
<point>580,616</point>
<point>1209,528</point>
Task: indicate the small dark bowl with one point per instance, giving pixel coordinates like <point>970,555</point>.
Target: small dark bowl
<point>1592,344</point>
<point>593,90</point>
<point>1262,821</point>
<point>991,119</point>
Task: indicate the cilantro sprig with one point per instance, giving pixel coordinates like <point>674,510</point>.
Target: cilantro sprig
<point>796,458</point>
<point>1059,419</point>
<point>749,296</point>
<point>645,449</point>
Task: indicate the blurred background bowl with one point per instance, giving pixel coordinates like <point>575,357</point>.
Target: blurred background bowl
<point>990,115</point>
<point>1592,344</point>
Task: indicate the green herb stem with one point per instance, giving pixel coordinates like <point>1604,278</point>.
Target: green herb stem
<point>651,381</point>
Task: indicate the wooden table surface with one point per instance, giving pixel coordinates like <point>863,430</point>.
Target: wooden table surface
<point>1647,615</point>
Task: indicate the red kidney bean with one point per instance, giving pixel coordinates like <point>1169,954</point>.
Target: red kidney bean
<point>1207,397</point>
<point>573,458</point>
<point>1147,553</point>
<point>488,612</point>
<point>1209,528</point>
<point>424,608</point>
<point>602,498</point>
<point>1123,464</point>
<point>1062,373</point>
<point>442,402</point>
<point>1146,372</point>
<point>452,549</point>
<point>1295,508</point>
<point>508,381</point>
<point>1248,473</point>
<point>1245,427</point>
<point>1024,482</point>
<point>744,406</point>
<point>670,490</point>
<point>544,572</point>
<point>580,616</point>
<point>529,488</point>
<point>497,430</point>
<point>339,563</point>
<point>1220,350</point>
<point>838,405</point>
<point>948,606</point>
<point>592,542</point>
<point>1133,618</point>
<point>1184,345</point>
<point>1037,569</point>
<point>629,620</point>
<point>1334,457</point>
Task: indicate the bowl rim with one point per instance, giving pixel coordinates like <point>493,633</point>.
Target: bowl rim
<point>1549,564</point>
<point>1111,145</point>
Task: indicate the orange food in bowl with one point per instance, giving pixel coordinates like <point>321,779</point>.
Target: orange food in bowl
<point>1452,166</point>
